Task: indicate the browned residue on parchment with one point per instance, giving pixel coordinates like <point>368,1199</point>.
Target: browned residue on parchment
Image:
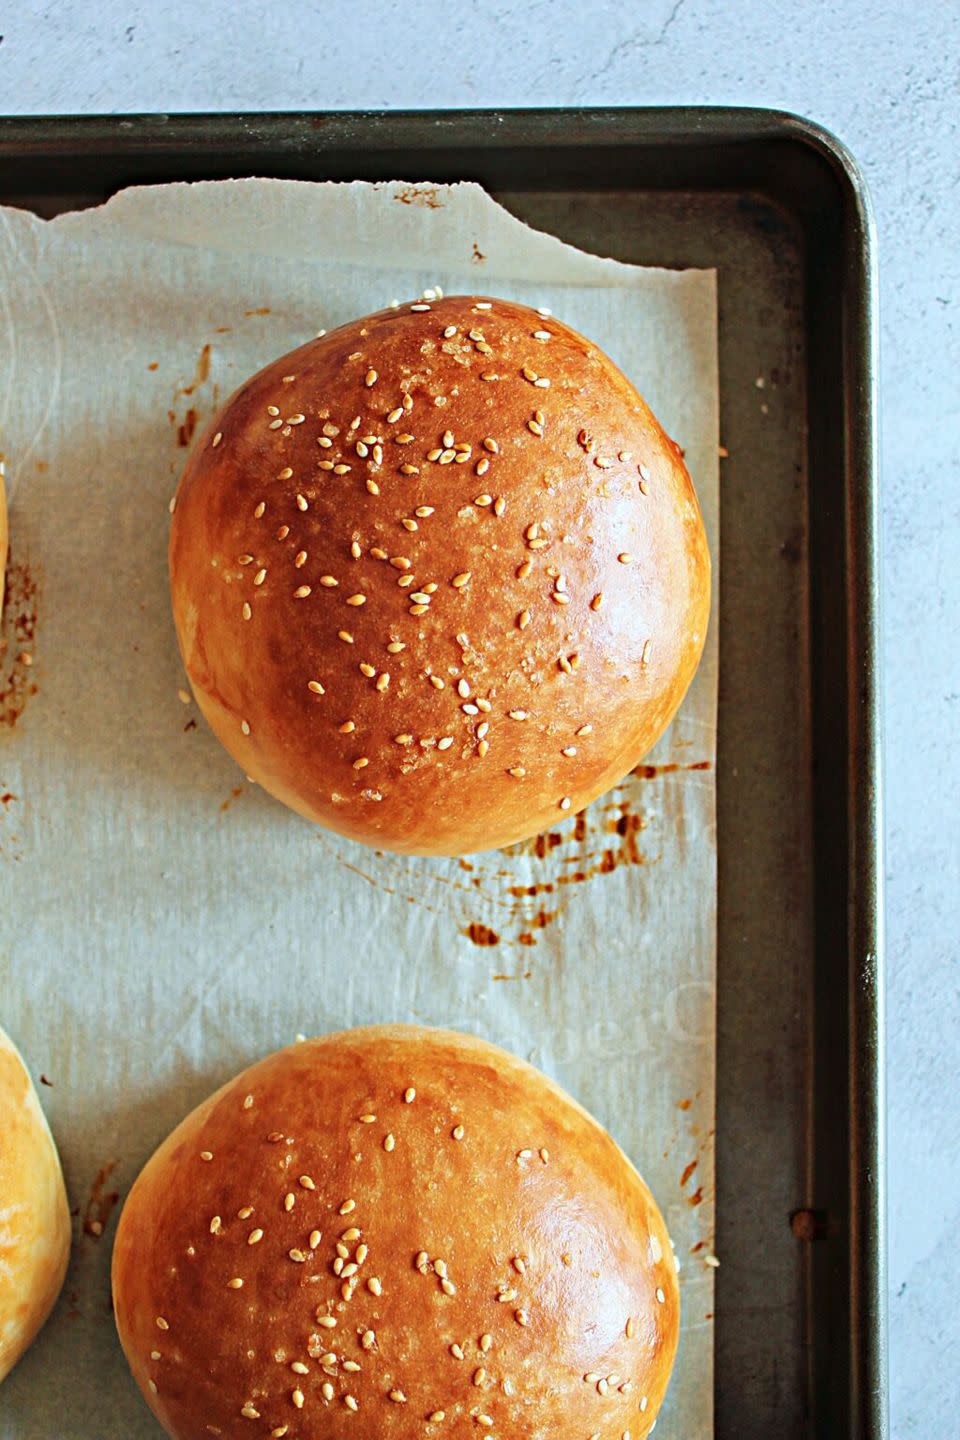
<point>18,630</point>
<point>481,934</point>
<point>185,424</point>
<point>101,1202</point>
<point>420,195</point>
<point>494,900</point>
<point>235,794</point>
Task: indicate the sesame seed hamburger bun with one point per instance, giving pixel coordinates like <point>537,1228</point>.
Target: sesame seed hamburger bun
<point>439,576</point>
<point>395,1232</point>
<point>34,1216</point>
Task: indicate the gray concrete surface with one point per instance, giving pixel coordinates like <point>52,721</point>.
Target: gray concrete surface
<point>885,76</point>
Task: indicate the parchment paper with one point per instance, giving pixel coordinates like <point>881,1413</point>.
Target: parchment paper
<point>163,922</point>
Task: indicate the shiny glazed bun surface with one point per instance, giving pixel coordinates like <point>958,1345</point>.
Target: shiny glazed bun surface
<point>439,577</point>
<point>392,1233</point>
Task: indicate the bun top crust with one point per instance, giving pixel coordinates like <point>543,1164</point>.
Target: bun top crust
<point>395,1232</point>
<point>439,577</point>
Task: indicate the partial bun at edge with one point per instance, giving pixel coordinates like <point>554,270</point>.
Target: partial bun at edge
<point>35,1230</point>
<point>395,1232</point>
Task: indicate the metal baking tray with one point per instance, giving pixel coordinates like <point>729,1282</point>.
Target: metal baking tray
<point>777,205</point>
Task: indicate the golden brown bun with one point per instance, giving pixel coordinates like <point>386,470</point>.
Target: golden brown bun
<point>34,1216</point>
<point>563,577</point>
<point>528,1226</point>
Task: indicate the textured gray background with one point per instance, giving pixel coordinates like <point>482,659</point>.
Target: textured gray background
<point>885,76</point>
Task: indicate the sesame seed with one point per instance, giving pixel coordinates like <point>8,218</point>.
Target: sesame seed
<point>437,682</point>
<point>374,1286</point>
<point>602,1387</point>
<point>245,1213</point>
<point>272,410</point>
<point>409,1096</point>
<point>372,487</point>
<point>535,427</point>
<point>245,729</point>
<point>645,656</point>
<point>398,1397</point>
<point>289,1200</point>
<point>403,739</point>
<point>258,512</point>
<point>368,670</point>
<point>565,803</point>
<point>324,464</point>
<point>362,450</point>
<point>302,502</point>
<point>347,1270</point>
<point>506,1295</point>
<point>660,1295</point>
<point>559,597</point>
<point>249,1411</point>
<point>479,1375</point>
<point>328,1322</point>
<point>356,600</point>
<point>342,468</point>
<point>155,1355</point>
<point>445,743</point>
<point>438,1415</point>
<point>457,1132</point>
<point>460,580</point>
<point>383,681</point>
<point>360,763</point>
<point>324,442</point>
<point>298,1368</point>
<point>246,611</point>
<point>395,415</point>
<point>307,1183</point>
<point>483,748</point>
<point>236,1283</point>
<point>448,1287</point>
<point>483,500</point>
<point>297,1255</point>
<point>521,1317</point>
<point>255,1237</point>
<point>162,1324</point>
<point>518,772</point>
<point>544,1154</point>
<point>301,592</point>
<point>260,576</point>
<point>456,1352</point>
<point>625,557</point>
<point>499,505</point>
<point>518,714</point>
<point>485,1421</point>
<point>418,309</point>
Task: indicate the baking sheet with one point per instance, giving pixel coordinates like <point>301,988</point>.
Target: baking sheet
<point>166,922</point>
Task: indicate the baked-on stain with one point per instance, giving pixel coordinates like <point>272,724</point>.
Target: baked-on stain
<point>7,799</point>
<point>260,310</point>
<point>235,794</point>
<point>650,772</point>
<point>18,629</point>
<point>200,374</point>
<point>481,934</point>
<point>154,365</point>
<point>478,254</point>
<point>687,1173</point>
<point>419,195</point>
<point>697,1197</point>
<point>684,1104</point>
<point>45,1080</point>
<point>187,427</point>
<point>100,1202</point>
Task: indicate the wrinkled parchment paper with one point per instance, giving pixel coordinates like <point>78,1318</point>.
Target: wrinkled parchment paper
<point>164,922</point>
